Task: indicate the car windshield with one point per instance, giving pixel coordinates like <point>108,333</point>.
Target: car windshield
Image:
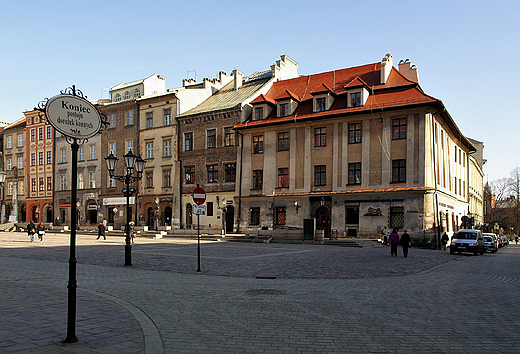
<point>466,236</point>
<point>488,238</point>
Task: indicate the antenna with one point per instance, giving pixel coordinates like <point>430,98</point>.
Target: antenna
<point>191,71</point>
<point>104,89</point>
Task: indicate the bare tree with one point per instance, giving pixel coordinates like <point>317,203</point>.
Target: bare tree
<point>500,210</point>
<point>514,191</point>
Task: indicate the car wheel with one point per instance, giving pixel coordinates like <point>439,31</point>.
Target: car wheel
<point>452,251</point>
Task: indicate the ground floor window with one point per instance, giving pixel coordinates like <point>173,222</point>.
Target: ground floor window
<point>280,216</point>
<point>254,216</point>
<point>396,217</point>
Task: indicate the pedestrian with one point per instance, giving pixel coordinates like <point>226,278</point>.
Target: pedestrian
<point>132,231</point>
<point>384,232</point>
<point>394,241</point>
<point>444,240</point>
<point>101,231</point>
<point>41,231</point>
<point>31,230</point>
<point>405,243</point>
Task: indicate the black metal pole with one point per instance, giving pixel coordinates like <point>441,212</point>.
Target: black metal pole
<point>71,317</point>
<point>198,241</point>
<point>128,246</point>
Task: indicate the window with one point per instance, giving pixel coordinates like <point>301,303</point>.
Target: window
<point>40,133</point>
<point>354,173</point>
<point>20,140</point>
<point>188,141</point>
<point>33,134</point>
<point>399,128</point>
<point>167,117</point>
<point>284,109</point>
<point>209,208</point>
<point>320,137</point>
<point>149,120</point>
<point>40,158</point>
<point>81,154</point>
<point>149,179</point>
<point>112,121</point>
<point>149,150</point>
<point>111,183</point>
<point>259,113</point>
<point>229,172</point>
<point>258,176</point>
<point>354,133</point>
<point>211,138</point>
<point>254,216</point>
<point>49,132</point>
<point>398,170</point>
<point>320,104</point>
<point>189,172</point>
<point>9,164</point>
<point>283,178</point>
<point>137,93</point>
<point>41,183</point>
<point>10,188</point>
<point>283,141</point>
<point>229,136</point>
<point>92,155</point>
<point>20,162</point>
<point>112,148</point>
<point>167,148</point>
<point>127,95</point>
<point>9,142</point>
<point>33,184</point>
<point>81,181</point>
<point>212,173</point>
<point>33,159</point>
<point>21,189</point>
<point>167,179</point>
<point>396,217</point>
<point>320,175</point>
<point>129,117</point>
<point>129,145</point>
<point>49,158</point>
<point>355,99</point>
<point>280,216</point>
<point>92,180</point>
<point>258,144</point>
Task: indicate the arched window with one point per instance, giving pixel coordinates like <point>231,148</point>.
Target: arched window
<point>127,95</point>
<point>118,97</point>
<point>137,93</point>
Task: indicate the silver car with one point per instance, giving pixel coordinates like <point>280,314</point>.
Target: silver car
<point>468,241</point>
<point>489,243</point>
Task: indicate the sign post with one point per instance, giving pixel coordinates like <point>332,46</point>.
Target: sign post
<point>71,114</point>
<point>199,197</point>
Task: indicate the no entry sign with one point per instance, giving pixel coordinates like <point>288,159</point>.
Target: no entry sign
<point>199,196</point>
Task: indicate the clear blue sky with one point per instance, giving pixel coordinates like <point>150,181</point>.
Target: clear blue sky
<point>467,53</point>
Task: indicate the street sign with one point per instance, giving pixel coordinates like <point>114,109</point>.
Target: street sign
<point>199,196</point>
<point>199,209</point>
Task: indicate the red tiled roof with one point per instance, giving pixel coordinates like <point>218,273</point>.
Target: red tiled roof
<point>263,99</point>
<point>287,94</point>
<point>321,89</point>
<point>357,82</point>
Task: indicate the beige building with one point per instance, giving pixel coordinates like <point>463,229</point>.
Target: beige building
<point>355,149</point>
<point>476,183</point>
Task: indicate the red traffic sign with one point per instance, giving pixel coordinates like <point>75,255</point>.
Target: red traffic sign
<point>199,196</point>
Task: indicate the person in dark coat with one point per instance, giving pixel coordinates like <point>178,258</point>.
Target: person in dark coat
<point>405,243</point>
<point>101,231</point>
<point>41,231</point>
<point>444,240</point>
<point>394,241</point>
<point>31,229</point>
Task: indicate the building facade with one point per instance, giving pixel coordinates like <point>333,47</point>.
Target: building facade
<point>355,149</point>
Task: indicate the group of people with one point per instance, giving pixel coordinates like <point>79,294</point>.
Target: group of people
<point>394,240</point>
<point>33,229</point>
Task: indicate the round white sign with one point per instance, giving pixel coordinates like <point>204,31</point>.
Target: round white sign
<point>73,116</point>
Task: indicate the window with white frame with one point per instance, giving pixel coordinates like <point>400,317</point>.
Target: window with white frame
<point>112,121</point>
<point>92,155</point>
<point>167,117</point>
<point>137,93</point>
<point>111,183</point>
<point>167,179</point>
<point>40,158</point>
<point>9,143</point>
<point>355,99</point>
<point>49,132</point>
<point>112,148</point>
<point>81,182</point>
<point>33,134</point>
<point>129,117</point>
<point>320,104</point>
<point>127,95</point>
<point>49,157</point>
<point>20,140</point>
<point>149,120</point>
<point>40,133</point>
<point>63,183</point>
<point>118,97</point>
<point>91,179</point>
<point>129,145</point>
<point>20,163</point>
<point>63,155</point>
<point>20,188</point>
<point>9,164</point>
<point>33,159</point>
<point>149,150</point>
<point>167,148</point>
<point>10,188</point>
<point>81,153</point>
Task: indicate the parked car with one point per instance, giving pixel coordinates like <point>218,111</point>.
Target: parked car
<point>490,243</point>
<point>468,241</point>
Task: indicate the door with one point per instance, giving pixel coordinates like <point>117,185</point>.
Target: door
<point>323,220</point>
<point>230,219</point>
<point>150,219</point>
<point>189,216</point>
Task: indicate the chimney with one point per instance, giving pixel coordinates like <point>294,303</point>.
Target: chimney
<point>237,78</point>
<point>386,67</point>
<point>408,70</point>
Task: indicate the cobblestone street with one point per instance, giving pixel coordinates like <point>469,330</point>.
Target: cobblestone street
<point>256,298</point>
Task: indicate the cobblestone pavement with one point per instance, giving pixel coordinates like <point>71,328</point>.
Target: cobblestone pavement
<point>256,298</point>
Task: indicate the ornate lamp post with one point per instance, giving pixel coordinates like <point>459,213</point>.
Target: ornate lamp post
<point>133,164</point>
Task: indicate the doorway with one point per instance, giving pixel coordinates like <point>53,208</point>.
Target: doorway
<point>323,220</point>
<point>168,215</point>
<point>230,219</point>
<point>189,216</point>
<point>150,218</point>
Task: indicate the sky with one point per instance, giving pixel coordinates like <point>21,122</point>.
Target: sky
<point>467,53</point>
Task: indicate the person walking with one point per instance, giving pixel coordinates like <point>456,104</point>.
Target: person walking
<point>31,230</point>
<point>41,231</point>
<point>101,231</point>
<point>394,241</point>
<point>385,235</point>
<point>444,240</point>
<point>405,243</point>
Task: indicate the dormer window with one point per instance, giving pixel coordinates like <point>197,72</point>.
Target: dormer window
<point>127,95</point>
<point>284,109</point>
<point>320,104</point>
<point>137,93</point>
<point>118,97</point>
<point>259,113</point>
<point>355,99</point>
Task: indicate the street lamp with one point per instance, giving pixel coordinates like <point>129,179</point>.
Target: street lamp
<point>133,164</point>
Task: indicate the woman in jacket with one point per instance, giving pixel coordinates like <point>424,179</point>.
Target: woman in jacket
<point>393,239</point>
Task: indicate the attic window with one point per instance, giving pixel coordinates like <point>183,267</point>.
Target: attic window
<point>127,95</point>
<point>355,99</point>
<point>259,113</point>
<point>284,109</point>
<point>118,97</point>
<point>320,104</point>
<point>137,93</point>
